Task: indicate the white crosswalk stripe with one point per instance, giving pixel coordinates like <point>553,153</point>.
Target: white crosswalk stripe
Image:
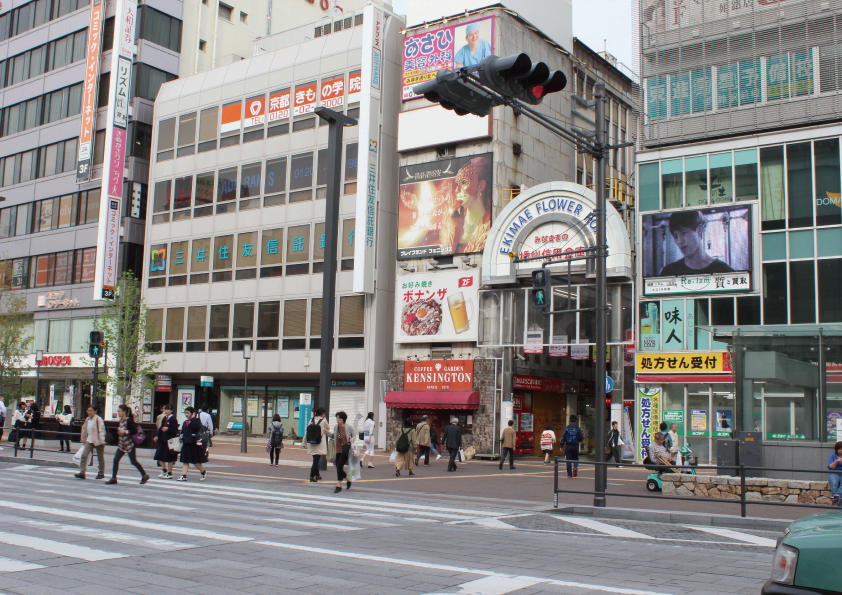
<point>97,533</point>
<point>731,534</point>
<point>60,548</point>
<point>125,501</point>
<point>10,565</point>
<point>606,528</point>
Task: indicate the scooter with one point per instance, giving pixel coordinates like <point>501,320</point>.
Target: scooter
<point>653,481</point>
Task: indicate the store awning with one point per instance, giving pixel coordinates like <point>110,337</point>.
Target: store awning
<point>433,400</point>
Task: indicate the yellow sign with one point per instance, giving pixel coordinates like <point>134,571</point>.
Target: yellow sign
<point>691,362</point>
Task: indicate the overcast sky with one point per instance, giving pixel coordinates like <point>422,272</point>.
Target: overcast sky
<point>598,23</point>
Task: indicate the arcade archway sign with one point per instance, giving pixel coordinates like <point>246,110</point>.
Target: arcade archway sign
<point>551,220</point>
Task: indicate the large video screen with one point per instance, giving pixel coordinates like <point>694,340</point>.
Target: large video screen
<point>709,248</point>
<point>445,207</point>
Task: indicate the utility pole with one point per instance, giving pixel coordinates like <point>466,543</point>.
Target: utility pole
<point>600,471</point>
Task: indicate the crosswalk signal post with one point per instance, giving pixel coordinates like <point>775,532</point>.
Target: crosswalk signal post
<point>96,341</point>
<point>541,289</point>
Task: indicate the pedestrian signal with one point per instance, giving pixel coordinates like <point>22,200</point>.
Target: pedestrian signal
<point>541,289</point>
<point>95,344</point>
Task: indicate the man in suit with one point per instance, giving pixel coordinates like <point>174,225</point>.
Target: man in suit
<point>452,440</point>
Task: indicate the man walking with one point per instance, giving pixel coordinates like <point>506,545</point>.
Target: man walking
<point>507,442</point>
<point>92,438</point>
<point>2,418</point>
<point>422,433</point>
<point>570,438</point>
<point>452,441</point>
<point>613,443</point>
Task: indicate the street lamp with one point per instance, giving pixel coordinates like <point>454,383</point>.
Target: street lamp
<point>246,358</point>
<point>39,357</point>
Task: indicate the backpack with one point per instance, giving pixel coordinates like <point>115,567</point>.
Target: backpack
<point>572,433</point>
<point>276,436</point>
<point>402,445</point>
<point>313,434</point>
<point>546,439</point>
<point>203,436</point>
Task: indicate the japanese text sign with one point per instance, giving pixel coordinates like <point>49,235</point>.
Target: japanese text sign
<point>304,99</point>
<point>89,94</point>
<point>649,417</point>
<point>692,362</point>
<point>333,91</point>
<point>255,110</point>
<point>437,306</point>
<point>279,105</point>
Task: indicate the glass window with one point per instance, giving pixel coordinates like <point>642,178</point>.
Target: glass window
<point>250,180</point>
<point>178,257</point>
<point>59,336</point>
<point>158,260</point>
<point>183,192</point>
<point>196,321</point>
<point>316,317</point>
<point>272,247</point>
<point>155,325</point>
<point>219,321</point>
<point>830,298</point>
<point>802,292</point>
<point>275,181</point>
<point>828,241</point>
<point>42,332</point>
<point>774,293</point>
<point>721,188</point>
<point>301,175</point>
<point>348,232</point>
<point>748,310</point>
<point>351,315</point>
<point>186,134</point>
<point>175,324</point>
<point>319,242</point>
<point>64,268</point>
<point>268,319</point>
<point>321,175</point>
<point>800,184</point>
<point>232,118</point>
<point>772,205</point>
<point>298,244</point>
<point>672,183</point>
<point>80,333</point>
<point>159,28</point>
<point>649,187</point>
<point>204,189</point>
<point>774,246</point>
<point>745,174</point>
<point>223,247</point>
<point>351,161</point>
<point>208,129</point>
<point>696,180</point>
<point>92,206</point>
<point>166,139</point>
<point>147,81</point>
<point>295,318</point>
<point>226,185</point>
<point>828,185</point>
<point>247,250</point>
<point>200,259</point>
<point>163,196</point>
<point>801,244</point>
<point>243,321</point>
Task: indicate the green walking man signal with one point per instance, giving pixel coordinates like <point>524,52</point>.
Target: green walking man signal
<point>95,344</point>
<point>541,289</point>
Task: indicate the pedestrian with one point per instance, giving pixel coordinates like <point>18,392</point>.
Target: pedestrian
<point>405,447</point>
<point>547,443</point>
<point>570,438</point>
<point>674,448</point>
<point>667,437</point>
<point>33,423</point>
<point>192,449</point>
<point>276,439</point>
<point>126,432</point>
<point>613,444</point>
<point>507,442</point>
<point>368,439</point>
<point>343,434</point>
<point>2,418</point>
<point>167,430</point>
<point>834,478</point>
<point>316,441</point>
<point>64,420</point>
<point>207,421</point>
<point>422,434</point>
<point>452,441</point>
<point>434,443</point>
<point>92,438</point>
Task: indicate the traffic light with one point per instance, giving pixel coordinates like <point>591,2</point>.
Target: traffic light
<point>455,94</point>
<point>95,344</point>
<point>516,76</point>
<point>541,289</point>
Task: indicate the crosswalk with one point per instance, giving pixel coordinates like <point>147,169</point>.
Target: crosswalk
<point>63,520</point>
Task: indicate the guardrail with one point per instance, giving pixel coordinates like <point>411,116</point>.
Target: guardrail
<point>32,435</point>
<point>669,468</point>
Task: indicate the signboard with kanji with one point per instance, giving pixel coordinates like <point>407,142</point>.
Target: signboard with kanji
<point>89,94</point>
<point>436,306</point>
<point>649,417</point>
<point>690,362</point>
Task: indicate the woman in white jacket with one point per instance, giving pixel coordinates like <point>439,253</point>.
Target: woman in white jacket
<point>64,420</point>
<point>368,439</point>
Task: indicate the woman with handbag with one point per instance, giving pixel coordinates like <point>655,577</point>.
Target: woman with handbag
<point>127,434</point>
<point>64,420</point>
<point>343,434</point>
<point>167,431</point>
<point>368,439</point>
<point>192,449</point>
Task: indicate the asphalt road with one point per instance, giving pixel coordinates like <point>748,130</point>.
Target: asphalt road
<point>237,534</point>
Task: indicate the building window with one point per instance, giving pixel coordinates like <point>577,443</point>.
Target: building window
<point>146,81</point>
<point>232,119</point>
<point>244,18</point>
<point>187,134</point>
<point>315,323</point>
<point>274,183</point>
<point>243,327</point>
<point>272,253</point>
<point>351,161</point>
<point>219,323</point>
<point>166,139</point>
<point>154,329</point>
<point>159,28</point>
<point>225,11</point>
<point>200,260</point>
<point>203,45</point>
<point>351,321</point>
<point>268,324</point>
<point>204,194</point>
<point>247,249</point>
<point>250,186</point>
<point>295,324</point>
<point>226,190</point>
<point>162,202</point>
<point>183,199</point>
<point>298,250</point>
<point>301,178</point>
<point>175,330</point>
<point>208,129</point>
<point>223,256</point>
<point>197,317</point>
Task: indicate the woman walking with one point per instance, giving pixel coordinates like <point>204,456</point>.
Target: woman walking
<point>192,450</point>
<point>64,420</point>
<point>276,440</point>
<point>547,442</point>
<point>343,434</point>
<point>434,443</point>
<point>168,429</point>
<point>316,438</point>
<point>368,439</point>
<point>406,440</point>
<point>125,444</point>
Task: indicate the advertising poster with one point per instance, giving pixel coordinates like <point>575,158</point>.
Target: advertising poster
<point>672,312</point>
<point>279,105</point>
<point>333,91</point>
<point>834,425</point>
<point>685,363</point>
<point>627,436</point>
<point>424,54</point>
<point>89,94</point>
<point>534,340</point>
<point>304,99</point>
<point>702,250</point>
<point>582,352</point>
<point>253,406</point>
<point>232,117</point>
<point>559,346</point>
<point>724,423</point>
<point>674,416</point>
<point>699,422</point>
<point>650,326</point>
<point>437,306</point>
<point>445,207</point>
<point>649,416</point>
<point>255,111</point>
<point>283,407</point>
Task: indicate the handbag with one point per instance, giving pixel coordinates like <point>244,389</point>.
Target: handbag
<point>175,444</point>
<point>13,435</point>
<point>78,456</point>
<point>139,436</point>
<point>331,450</point>
<point>394,456</point>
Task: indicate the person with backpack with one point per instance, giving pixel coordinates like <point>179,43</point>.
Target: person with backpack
<point>276,439</point>
<point>315,438</point>
<point>128,434</point>
<point>547,443</point>
<point>422,433</point>
<point>405,447</point>
<point>452,441</point>
<point>570,439</point>
<point>192,447</point>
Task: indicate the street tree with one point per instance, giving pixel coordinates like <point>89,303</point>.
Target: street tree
<point>15,336</point>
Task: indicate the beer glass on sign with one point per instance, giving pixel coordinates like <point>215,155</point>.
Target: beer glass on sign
<point>459,312</point>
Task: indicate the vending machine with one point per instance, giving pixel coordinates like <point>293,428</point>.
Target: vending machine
<point>523,417</point>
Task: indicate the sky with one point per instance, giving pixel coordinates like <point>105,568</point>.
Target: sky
<point>600,24</point>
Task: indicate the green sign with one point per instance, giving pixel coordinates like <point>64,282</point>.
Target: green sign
<point>774,436</point>
<point>675,416</point>
<point>703,434</point>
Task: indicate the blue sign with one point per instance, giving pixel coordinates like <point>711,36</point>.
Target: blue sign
<point>609,383</point>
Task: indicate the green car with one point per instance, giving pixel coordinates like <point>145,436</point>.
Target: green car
<point>807,557</point>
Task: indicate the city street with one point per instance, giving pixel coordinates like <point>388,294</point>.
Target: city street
<point>251,535</point>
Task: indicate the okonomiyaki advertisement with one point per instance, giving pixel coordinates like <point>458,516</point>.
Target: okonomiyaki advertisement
<point>445,207</point>
<point>437,306</point>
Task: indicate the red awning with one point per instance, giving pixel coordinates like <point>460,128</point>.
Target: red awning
<point>433,400</point>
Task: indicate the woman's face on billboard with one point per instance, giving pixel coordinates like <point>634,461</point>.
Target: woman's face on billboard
<point>688,240</point>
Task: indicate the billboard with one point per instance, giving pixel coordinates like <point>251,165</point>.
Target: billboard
<point>665,15</point>
<point>424,54</point>
<point>436,306</point>
<point>89,94</point>
<point>445,207</point>
<point>697,251</point>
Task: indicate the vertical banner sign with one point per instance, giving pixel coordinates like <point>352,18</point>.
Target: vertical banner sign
<point>649,417</point>
<point>367,191</point>
<point>333,91</point>
<point>89,95</point>
<point>108,239</point>
<point>279,105</point>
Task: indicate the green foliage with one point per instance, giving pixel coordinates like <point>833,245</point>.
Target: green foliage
<point>15,339</point>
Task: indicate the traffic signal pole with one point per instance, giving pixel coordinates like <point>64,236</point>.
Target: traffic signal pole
<point>600,471</point>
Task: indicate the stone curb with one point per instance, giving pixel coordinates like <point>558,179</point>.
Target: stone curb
<point>675,517</point>
<point>38,462</point>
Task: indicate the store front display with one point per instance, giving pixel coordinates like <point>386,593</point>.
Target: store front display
<point>262,404</point>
